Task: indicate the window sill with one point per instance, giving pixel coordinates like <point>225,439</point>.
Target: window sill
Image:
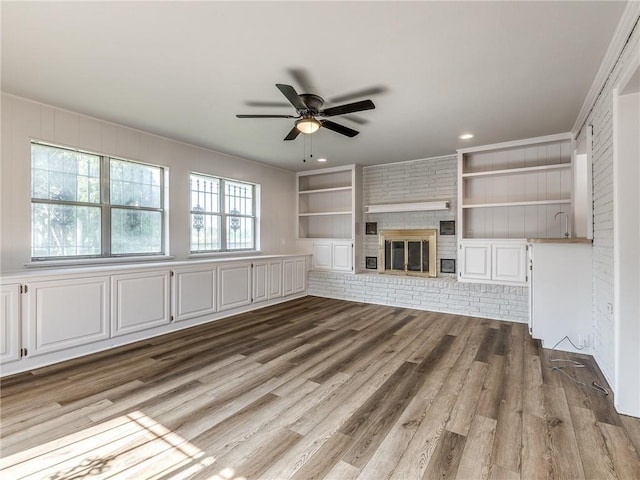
<point>98,261</point>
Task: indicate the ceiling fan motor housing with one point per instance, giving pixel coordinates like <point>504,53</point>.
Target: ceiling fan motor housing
<point>313,102</point>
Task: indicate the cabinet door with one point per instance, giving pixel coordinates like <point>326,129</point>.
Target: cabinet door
<point>322,256</point>
<point>475,261</point>
<point>140,301</point>
<point>194,292</point>
<point>234,286</point>
<point>300,276</point>
<point>260,281</point>
<point>275,279</point>
<point>341,256</point>
<point>509,263</point>
<point>9,323</point>
<point>67,313</point>
<point>288,277</point>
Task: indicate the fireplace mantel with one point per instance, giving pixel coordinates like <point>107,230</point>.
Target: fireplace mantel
<point>407,207</point>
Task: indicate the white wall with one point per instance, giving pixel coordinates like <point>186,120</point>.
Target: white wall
<point>601,117</point>
<point>24,120</point>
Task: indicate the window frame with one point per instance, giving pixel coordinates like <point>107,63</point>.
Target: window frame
<point>222,215</point>
<point>106,208</point>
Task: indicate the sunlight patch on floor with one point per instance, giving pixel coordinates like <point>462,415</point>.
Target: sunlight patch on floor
<point>131,446</point>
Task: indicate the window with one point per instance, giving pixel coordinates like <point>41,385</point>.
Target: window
<point>223,214</point>
<point>88,205</point>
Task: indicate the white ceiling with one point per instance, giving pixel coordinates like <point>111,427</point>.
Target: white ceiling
<point>502,70</point>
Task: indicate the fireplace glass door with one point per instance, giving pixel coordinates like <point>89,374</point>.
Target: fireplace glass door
<point>406,256</point>
<point>408,252</point>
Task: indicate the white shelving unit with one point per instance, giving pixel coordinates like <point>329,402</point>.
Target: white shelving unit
<point>329,215</point>
<point>506,193</point>
<point>514,190</point>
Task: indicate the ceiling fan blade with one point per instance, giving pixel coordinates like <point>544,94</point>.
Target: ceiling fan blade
<point>258,103</point>
<point>349,108</point>
<point>292,134</point>
<point>336,127</point>
<point>266,116</point>
<point>303,79</point>
<point>291,94</point>
<point>365,92</point>
<point>356,119</point>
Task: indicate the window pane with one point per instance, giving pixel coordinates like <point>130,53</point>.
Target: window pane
<point>205,194</point>
<point>60,174</point>
<point>65,230</point>
<point>238,198</point>
<point>239,233</point>
<point>205,232</point>
<point>135,231</point>
<point>135,184</point>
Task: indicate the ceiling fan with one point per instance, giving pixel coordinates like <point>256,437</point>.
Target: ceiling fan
<point>309,106</point>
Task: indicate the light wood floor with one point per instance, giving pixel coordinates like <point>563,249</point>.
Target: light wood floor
<point>319,388</point>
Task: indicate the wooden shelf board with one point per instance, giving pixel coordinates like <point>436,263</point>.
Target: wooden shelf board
<point>517,204</point>
<point>317,214</point>
<point>325,190</point>
<point>516,171</point>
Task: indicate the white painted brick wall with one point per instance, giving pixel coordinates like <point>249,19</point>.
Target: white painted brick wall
<point>415,181</point>
<point>601,117</point>
<point>445,295</point>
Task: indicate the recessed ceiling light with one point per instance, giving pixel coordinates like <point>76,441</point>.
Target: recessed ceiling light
<point>322,159</point>
<point>465,136</point>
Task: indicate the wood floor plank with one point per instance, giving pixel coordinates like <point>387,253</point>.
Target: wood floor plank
<point>446,457</point>
<point>624,455</point>
<point>319,388</point>
<point>467,403</point>
<point>476,457</point>
<point>596,460</point>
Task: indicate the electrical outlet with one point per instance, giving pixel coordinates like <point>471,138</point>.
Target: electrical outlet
<point>610,308</point>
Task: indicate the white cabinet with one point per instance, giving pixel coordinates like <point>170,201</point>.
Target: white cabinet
<point>275,279</point>
<point>260,281</point>
<point>140,301</point>
<point>300,282</point>
<point>67,313</point>
<point>509,262</point>
<point>194,292</point>
<point>9,323</point>
<point>560,296</point>
<point>493,261</point>
<point>234,285</point>
<point>294,276</point>
<point>475,261</point>
<point>333,255</point>
<point>288,277</point>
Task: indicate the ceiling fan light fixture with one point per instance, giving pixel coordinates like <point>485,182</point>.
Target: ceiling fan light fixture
<point>308,125</point>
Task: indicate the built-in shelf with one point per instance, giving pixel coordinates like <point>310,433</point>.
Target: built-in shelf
<point>407,207</point>
<point>317,214</point>
<point>324,190</point>
<point>517,204</point>
<point>515,171</point>
<point>515,189</point>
